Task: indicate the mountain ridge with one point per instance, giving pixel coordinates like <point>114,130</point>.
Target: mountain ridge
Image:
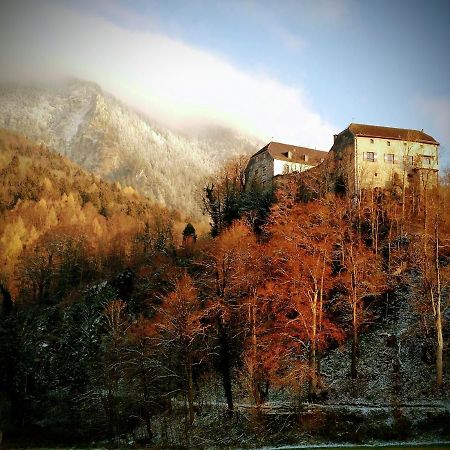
<point>104,135</point>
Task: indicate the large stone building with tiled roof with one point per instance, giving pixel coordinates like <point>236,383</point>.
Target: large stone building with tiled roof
<point>281,159</point>
<point>368,156</point>
<point>362,156</point>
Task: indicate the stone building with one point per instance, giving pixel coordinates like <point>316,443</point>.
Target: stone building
<point>368,156</point>
<point>280,159</point>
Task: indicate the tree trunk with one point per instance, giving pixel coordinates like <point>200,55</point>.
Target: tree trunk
<point>312,354</point>
<point>354,303</point>
<point>354,368</point>
<point>438,313</point>
<point>254,369</point>
<point>439,350</point>
<point>225,364</point>
<point>8,304</point>
<point>355,344</point>
<point>312,368</point>
<point>319,326</point>
<point>190,389</point>
<point>148,425</point>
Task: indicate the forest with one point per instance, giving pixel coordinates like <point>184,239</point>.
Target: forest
<point>122,325</point>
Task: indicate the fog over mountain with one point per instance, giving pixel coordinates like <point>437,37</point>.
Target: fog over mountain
<point>105,136</point>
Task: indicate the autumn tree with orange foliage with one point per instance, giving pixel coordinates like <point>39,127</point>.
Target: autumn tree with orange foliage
<point>301,249</point>
<point>229,277</point>
<point>179,321</point>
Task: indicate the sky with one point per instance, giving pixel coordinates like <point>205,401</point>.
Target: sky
<point>295,71</point>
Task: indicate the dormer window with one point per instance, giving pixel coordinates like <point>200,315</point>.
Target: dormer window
<point>305,158</point>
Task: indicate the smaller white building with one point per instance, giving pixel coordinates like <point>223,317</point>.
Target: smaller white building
<point>280,159</point>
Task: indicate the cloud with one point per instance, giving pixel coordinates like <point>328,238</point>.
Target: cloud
<point>167,79</point>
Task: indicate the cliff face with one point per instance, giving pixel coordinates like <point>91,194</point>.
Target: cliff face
<point>108,138</point>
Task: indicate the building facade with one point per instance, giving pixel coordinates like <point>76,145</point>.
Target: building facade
<point>368,156</point>
<point>280,159</point>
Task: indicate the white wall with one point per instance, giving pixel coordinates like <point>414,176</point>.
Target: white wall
<point>281,167</point>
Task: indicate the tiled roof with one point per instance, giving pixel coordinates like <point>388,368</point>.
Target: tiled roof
<point>281,152</point>
<point>358,129</point>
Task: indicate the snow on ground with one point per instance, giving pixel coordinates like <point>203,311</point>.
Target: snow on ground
<point>396,364</point>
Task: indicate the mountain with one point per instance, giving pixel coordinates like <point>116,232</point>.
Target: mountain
<point>105,136</point>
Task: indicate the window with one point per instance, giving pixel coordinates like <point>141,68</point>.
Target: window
<point>286,168</point>
<point>388,143</point>
<point>426,161</point>
<point>369,156</point>
<point>256,171</point>
<point>389,158</point>
<point>371,141</point>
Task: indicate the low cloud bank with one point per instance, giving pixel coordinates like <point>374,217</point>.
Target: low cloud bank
<point>165,78</point>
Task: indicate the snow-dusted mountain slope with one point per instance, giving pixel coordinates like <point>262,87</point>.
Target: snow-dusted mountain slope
<point>105,136</point>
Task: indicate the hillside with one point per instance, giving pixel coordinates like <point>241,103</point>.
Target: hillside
<point>46,200</point>
<point>300,321</point>
<point>103,135</point>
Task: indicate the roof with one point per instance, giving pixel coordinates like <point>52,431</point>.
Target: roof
<point>358,129</point>
<point>280,151</point>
